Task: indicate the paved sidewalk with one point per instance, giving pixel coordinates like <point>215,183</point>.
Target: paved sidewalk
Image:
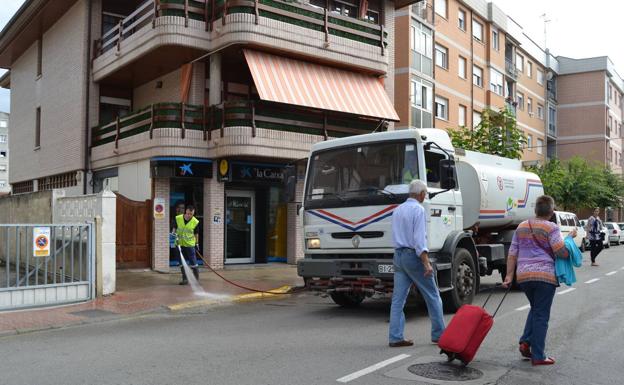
<point>141,292</point>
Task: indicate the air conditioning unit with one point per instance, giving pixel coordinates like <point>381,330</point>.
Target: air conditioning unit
<point>531,114</point>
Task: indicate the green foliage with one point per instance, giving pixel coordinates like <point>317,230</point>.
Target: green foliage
<point>497,134</point>
<point>576,184</point>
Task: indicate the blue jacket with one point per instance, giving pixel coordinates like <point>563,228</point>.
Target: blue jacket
<point>564,267</point>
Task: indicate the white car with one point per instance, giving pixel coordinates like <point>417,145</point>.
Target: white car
<point>616,236</point>
<point>605,242</point>
<point>568,222</point>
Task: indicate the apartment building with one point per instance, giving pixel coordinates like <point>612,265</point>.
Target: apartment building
<point>590,114</point>
<point>480,58</point>
<point>5,188</point>
<point>200,102</point>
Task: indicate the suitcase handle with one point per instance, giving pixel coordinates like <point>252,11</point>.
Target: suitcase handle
<point>501,301</point>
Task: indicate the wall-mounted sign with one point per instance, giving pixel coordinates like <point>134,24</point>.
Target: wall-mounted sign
<point>41,241</point>
<point>159,208</point>
<point>224,171</point>
<point>178,167</point>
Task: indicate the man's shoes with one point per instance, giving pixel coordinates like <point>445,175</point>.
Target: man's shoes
<point>547,361</point>
<point>595,264</point>
<point>435,342</point>
<point>400,344</point>
<point>525,350</point>
<point>183,282</point>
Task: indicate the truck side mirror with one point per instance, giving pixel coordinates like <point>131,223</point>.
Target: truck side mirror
<point>447,174</point>
<point>290,182</point>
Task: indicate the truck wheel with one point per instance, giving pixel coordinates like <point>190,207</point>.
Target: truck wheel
<point>347,299</point>
<point>464,278</point>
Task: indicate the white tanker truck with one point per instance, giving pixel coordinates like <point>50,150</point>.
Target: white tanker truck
<point>353,185</point>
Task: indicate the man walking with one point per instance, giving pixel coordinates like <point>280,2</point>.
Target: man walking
<point>594,227</point>
<point>412,266</point>
<point>186,228</point>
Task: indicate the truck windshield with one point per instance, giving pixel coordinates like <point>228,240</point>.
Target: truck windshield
<point>372,173</point>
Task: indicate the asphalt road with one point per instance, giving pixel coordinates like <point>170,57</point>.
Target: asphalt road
<point>305,339</point>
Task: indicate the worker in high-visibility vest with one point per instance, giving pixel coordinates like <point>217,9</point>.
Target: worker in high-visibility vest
<point>186,228</point>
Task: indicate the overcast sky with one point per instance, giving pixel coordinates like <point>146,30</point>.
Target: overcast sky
<point>577,28</point>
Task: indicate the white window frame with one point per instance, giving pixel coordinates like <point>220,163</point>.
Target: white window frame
<point>3,167</point>
<point>443,55</point>
<point>439,5</point>
<point>540,111</point>
<point>520,100</point>
<point>461,115</point>
<point>477,79</point>
<point>529,68</point>
<point>4,138</point>
<point>421,41</point>
<point>416,97</point>
<point>540,77</point>
<point>462,67</point>
<point>519,62</point>
<point>496,82</point>
<point>476,118</point>
<point>461,19</point>
<point>479,37</point>
<point>495,39</point>
<point>530,142</point>
<point>3,183</point>
<point>4,124</point>
<point>530,106</point>
<point>540,146</point>
<point>441,113</point>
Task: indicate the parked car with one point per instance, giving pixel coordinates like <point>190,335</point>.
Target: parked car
<point>616,236</point>
<point>568,222</point>
<point>604,230</point>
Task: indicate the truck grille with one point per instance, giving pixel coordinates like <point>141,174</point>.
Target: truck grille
<point>363,234</point>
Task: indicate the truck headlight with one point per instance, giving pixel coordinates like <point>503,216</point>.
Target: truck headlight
<point>313,243</point>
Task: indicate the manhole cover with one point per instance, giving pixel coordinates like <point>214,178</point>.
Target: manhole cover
<point>445,371</point>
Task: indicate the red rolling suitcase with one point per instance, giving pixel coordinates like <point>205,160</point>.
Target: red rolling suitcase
<point>466,331</point>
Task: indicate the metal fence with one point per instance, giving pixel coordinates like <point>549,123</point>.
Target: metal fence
<point>46,264</point>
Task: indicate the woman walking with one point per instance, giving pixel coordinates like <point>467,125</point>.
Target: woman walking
<point>535,245</point>
<point>594,227</point>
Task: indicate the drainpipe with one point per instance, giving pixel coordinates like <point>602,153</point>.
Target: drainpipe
<point>87,151</point>
<point>433,66</point>
<point>471,80</point>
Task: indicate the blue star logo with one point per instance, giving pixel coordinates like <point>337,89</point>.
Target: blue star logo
<point>246,172</point>
<point>186,169</point>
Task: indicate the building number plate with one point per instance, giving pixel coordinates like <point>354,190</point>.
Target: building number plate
<point>386,268</point>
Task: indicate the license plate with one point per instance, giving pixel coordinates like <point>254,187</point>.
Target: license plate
<point>386,268</point>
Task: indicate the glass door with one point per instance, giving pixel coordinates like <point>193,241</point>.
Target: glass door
<point>239,227</point>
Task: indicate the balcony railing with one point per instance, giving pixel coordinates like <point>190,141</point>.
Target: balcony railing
<point>210,11</point>
<point>511,69</point>
<point>424,11</point>
<point>254,114</point>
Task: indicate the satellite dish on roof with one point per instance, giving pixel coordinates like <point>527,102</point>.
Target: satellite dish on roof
<point>549,75</point>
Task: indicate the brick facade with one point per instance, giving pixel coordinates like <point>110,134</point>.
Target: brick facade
<point>214,233</point>
<point>160,252</point>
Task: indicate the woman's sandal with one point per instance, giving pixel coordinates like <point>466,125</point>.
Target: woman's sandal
<point>547,361</point>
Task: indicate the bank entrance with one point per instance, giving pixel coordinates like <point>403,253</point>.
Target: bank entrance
<point>255,212</point>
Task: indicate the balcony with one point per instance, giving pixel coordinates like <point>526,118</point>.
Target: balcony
<point>511,69</point>
<point>424,11</point>
<point>552,130</point>
<point>206,25</point>
<point>195,130</point>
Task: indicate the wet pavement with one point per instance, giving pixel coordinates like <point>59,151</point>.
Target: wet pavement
<point>145,291</point>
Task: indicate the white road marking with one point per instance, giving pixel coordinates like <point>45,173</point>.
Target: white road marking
<point>372,368</point>
<point>611,272</point>
<point>566,291</point>
<point>593,280</point>
<point>523,307</point>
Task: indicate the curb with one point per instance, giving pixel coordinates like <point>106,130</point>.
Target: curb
<point>249,297</point>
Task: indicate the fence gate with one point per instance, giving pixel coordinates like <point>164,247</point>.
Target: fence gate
<point>46,264</point>
<point>134,233</point>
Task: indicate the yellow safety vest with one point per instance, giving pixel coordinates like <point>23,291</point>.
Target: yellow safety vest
<point>186,231</point>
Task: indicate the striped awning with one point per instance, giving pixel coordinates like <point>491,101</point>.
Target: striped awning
<point>283,80</point>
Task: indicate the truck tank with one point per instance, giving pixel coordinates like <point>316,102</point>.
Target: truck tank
<point>496,192</point>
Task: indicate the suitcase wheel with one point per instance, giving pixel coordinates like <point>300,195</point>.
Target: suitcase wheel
<point>449,355</point>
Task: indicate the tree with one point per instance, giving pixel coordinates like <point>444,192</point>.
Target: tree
<point>496,134</point>
<point>576,184</point>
